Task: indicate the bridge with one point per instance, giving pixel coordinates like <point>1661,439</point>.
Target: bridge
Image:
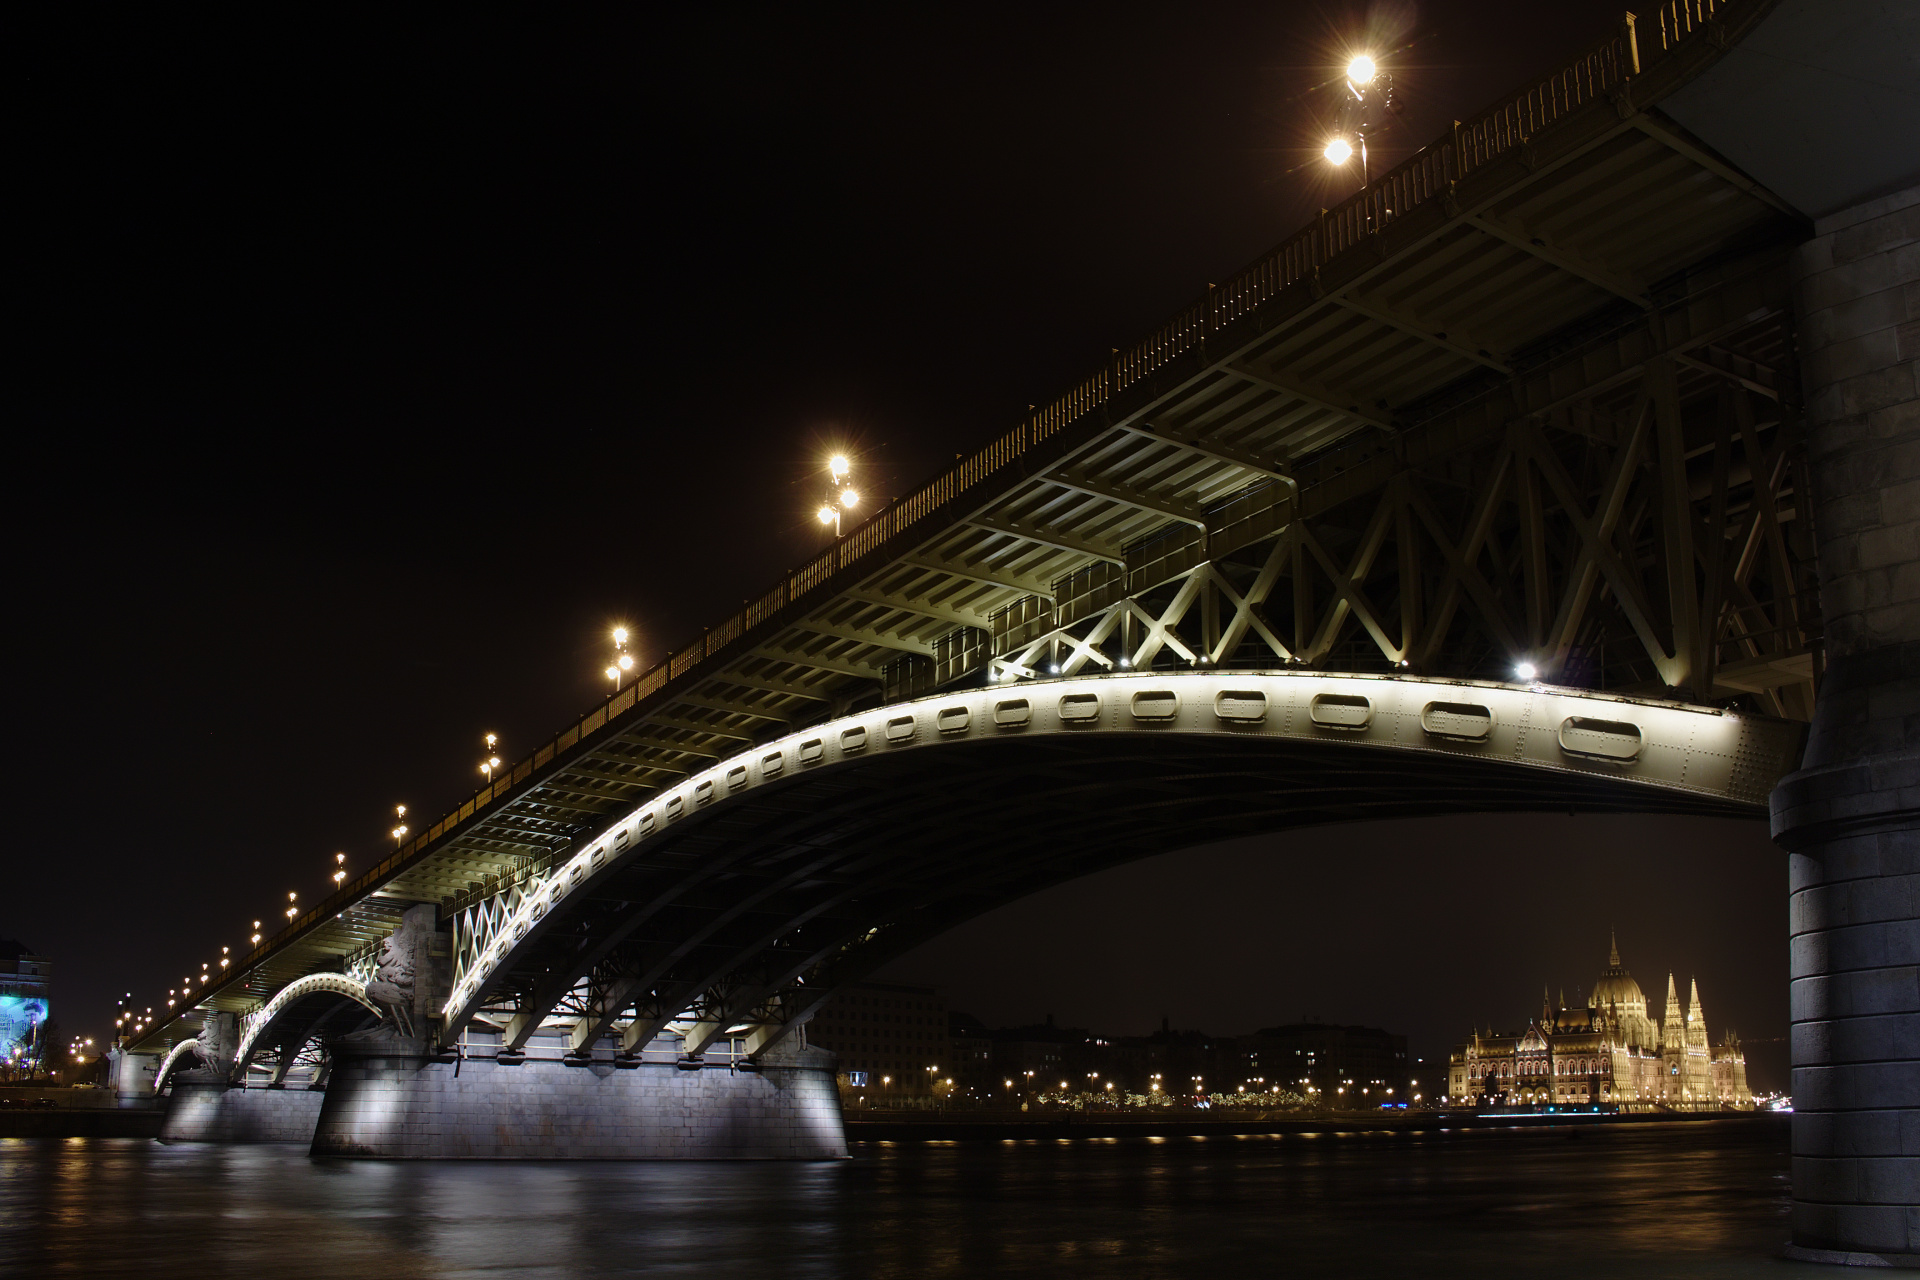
<point>1544,473</point>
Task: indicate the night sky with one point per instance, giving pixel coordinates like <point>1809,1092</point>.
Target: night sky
<point>373,369</point>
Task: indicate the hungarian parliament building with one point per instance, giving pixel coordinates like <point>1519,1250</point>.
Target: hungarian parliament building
<point>1608,1055</point>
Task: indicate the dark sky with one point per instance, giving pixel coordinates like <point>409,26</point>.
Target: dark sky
<point>371,368</point>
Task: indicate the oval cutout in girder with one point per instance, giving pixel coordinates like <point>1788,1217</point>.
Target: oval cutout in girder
<point>1012,712</point>
<point>1240,704</point>
<point>772,764</point>
<point>1461,721</point>
<point>1616,740</point>
<point>1156,704</point>
<point>854,739</point>
<point>703,794</point>
<point>811,751</point>
<point>736,777</point>
<point>953,720</point>
<point>675,805</point>
<point>1349,711</point>
<point>646,824</point>
<point>621,839</point>
<point>599,858</point>
<point>899,729</point>
<point>1079,708</point>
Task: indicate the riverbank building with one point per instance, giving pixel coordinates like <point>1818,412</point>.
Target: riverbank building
<point>1611,1055</point>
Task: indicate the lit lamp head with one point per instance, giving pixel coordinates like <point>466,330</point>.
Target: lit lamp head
<point>849,499</point>
<point>626,664</point>
<point>1338,151</point>
<point>826,515</point>
<point>1362,70</point>
<point>619,637</point>
<point>839,466</point>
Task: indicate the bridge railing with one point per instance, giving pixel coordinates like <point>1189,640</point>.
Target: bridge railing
<point>1596,73</point>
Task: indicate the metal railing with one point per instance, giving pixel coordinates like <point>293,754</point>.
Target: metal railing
<point>1426,176</point>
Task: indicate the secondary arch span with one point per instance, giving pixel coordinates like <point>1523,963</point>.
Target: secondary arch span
<point>743,896</point>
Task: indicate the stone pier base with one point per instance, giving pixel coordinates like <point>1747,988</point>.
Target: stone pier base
<point>210,1111</point>
<point>391,1100</point>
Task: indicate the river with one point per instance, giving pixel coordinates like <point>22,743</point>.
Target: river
<point>1646,1200</point>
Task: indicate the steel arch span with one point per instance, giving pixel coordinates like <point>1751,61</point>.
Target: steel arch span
<point>735,902</point>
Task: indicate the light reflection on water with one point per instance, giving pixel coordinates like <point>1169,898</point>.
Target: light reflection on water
<point>1655,1200</point>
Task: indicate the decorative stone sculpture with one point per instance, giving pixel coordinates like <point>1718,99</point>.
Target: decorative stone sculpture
<point>396,985</point>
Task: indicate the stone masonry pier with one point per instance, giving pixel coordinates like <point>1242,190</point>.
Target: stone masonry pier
<point>391,1100</point>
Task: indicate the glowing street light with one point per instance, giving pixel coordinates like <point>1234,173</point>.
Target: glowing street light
<point>293,904</point>
<point>339,869</point>
<point>1525,671</point>
<point>256,933</point>
<point>848,497</point>
<point>399,831</point>
<point>492,761</point>
<point>622,659</point>
<point>1368,96</point>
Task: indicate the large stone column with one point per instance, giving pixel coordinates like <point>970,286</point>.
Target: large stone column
<point>1850,818</point>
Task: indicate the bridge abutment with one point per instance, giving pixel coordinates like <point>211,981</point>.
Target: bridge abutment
<point>209,1110</point>
<point>1850,818</point>
<point>391,1099</point>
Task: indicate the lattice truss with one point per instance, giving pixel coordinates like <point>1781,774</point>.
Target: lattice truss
<point>1645,538</point>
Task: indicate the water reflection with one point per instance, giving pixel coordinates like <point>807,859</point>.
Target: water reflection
<point>1665,1200</point>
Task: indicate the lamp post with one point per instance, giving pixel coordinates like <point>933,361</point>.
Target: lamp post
<point>1367,96</point>
<point>492,761</point>
<point>399,832</point>
<point>847,497</point>
<point>622,659</point>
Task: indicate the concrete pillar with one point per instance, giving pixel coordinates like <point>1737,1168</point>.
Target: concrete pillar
<point>1850,818</point>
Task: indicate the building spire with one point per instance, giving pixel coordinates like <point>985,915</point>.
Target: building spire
<point>1613,948</point>
<point>1693,1005</point>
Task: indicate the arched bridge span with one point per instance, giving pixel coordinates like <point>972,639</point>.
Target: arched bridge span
<point>736,901</point>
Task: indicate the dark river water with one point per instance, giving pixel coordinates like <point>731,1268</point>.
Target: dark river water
<point>1643,1200</point>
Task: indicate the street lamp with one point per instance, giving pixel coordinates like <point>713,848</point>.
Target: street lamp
<point>339,869</point>
<point>848,497</point>
<point>293,904</point>
<point>492,761</point>
<point>621,663</point>
<point>399,831</point>
<point>1368,97</point>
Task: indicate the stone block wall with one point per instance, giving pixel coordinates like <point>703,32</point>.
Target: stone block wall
<point>212,1112</point>
<point>394,1104</point>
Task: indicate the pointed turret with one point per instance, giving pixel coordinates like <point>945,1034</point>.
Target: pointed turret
<point>1696,1022</point>
<point>1613,949</point>
<point>1673,1030</point>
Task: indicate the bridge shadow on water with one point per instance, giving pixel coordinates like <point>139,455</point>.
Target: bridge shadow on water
<point>1652,1200</point>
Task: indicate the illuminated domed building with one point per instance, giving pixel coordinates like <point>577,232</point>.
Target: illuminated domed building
<point>1608,1054</point>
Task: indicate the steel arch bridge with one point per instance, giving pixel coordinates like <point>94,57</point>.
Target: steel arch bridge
<point>734,903</point>
<point>1530,397</point>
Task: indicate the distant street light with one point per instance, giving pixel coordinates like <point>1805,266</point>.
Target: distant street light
<point>399,831</point>
<point>339,869</point>
<point>492,761</point>
<point>622,659</point>
<point>293,904</point>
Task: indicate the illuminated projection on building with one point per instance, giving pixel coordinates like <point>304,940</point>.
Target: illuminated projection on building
<point>20,1021</point>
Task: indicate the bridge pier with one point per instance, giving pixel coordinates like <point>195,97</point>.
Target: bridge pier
<point>1850,818</point>
<point>392,1099</point>
<point>204,1109</point>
